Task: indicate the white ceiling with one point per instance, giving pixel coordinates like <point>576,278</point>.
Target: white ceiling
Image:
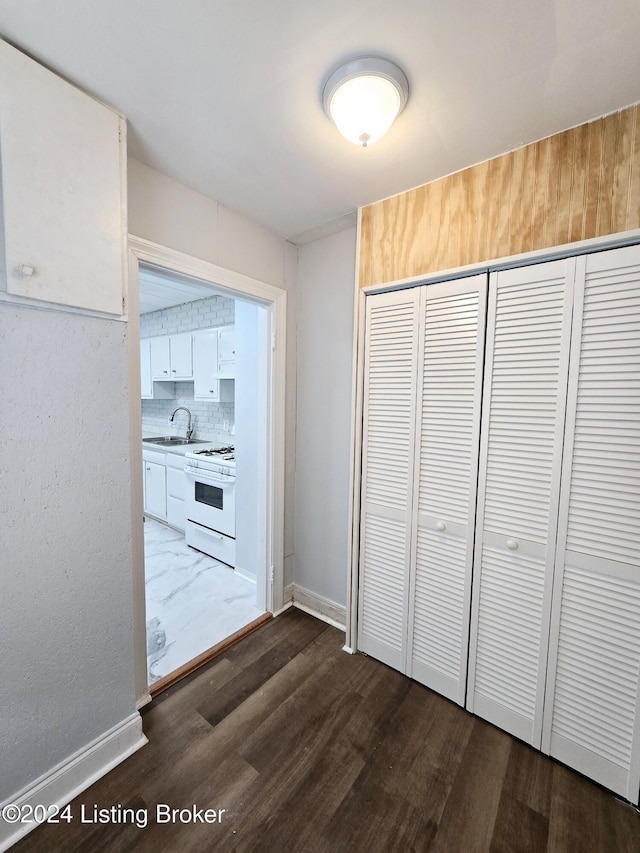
<point>159,289</point>
<point>225,95</point>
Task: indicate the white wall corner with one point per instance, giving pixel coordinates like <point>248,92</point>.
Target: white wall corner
<point>318,606</point>
<point>74,775</point>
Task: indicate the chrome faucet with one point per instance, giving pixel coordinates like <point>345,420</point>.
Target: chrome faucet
<point>184,409</point>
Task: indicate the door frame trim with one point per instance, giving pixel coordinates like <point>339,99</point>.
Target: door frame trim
<point>274,299</point>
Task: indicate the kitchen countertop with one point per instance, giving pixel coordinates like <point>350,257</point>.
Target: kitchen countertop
<point>177,449</point>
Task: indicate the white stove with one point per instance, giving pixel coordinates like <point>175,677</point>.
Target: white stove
<point>213,458</point>
<point>210,502</point>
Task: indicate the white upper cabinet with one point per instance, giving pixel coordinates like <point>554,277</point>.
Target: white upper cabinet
<point>63,162</point>
<point>206,385</point>
<point>172,357</point>
<point>227,352</point>
<point>181,356</point>
<point>528,332</point>
<point>150,390</point>
<point>160,358</point>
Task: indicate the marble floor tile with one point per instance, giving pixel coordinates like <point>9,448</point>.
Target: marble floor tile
<point>193,601</point>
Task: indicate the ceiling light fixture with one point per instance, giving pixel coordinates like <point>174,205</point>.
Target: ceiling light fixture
<point>364,96</point>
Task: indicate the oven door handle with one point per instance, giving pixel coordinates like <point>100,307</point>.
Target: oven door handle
<point>210,476</point>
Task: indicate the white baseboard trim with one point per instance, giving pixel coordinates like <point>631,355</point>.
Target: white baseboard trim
<point>330,612</point>
<point>287,598</point>
<point>143,700</point>
<point>245,574</point>
<point>74,775</point>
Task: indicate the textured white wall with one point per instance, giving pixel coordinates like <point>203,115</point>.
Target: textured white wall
<point>168,213</point>
<point>325,297</point>
<point>66,622</point>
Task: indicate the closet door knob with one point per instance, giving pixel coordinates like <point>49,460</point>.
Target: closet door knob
<point>512,545</point>
<point>441,525</point>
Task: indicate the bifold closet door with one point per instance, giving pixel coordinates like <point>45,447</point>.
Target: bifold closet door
<point>446,469</point>
<point>592,719</point>
<point>524,398</point>
<point>391,363</point>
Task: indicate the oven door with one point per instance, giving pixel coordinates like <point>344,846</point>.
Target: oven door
<point>211,500</point>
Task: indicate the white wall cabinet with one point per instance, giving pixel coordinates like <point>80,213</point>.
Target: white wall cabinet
<point>150,390</point>
<point>554,636</point>
<point>226,352</point>
<point>207,384</point>
<point>181,356</point>
<point>171,357</point>
<point>63,172</point>
<point>205,357</point>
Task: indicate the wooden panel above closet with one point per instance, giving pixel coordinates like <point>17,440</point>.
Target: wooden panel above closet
<point>575,185</point>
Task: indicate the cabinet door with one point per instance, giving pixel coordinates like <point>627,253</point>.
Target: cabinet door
<point>63,172</point>
<point>226,352</point>
<point>160,358</point>
<point>181,356</point>
<point>448,430</point>
<point>528,334</point>
<point>592,717</point>
<point>146,385</point>
<point>206,385</point>
<point>176,492</point>
<point>155,489</point>
<point>391,361</point>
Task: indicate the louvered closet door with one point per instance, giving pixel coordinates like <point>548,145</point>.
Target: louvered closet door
<point>528,329</point>
<point>387,473</point>
<point>592,721</point>
<point>448,427</point>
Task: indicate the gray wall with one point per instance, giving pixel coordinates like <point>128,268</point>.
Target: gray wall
<point>325,303</point>
<point>66,622</point>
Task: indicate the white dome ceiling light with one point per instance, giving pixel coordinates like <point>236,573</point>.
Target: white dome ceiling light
<point>363,98</point>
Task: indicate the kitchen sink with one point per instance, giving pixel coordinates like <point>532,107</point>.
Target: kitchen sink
<point>173,440</point>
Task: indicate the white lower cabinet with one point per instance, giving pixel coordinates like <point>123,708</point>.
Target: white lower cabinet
<point>550,627</point>
<point>155,486</point>
<point>176,491</point>
<point>165,487</point>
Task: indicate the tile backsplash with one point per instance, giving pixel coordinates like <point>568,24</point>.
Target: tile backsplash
<point>208,419</point>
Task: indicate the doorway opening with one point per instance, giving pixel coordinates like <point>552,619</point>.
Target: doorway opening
<point>211,541</point>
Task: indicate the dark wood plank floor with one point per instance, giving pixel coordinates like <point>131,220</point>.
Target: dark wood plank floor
<point>311,749</point>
